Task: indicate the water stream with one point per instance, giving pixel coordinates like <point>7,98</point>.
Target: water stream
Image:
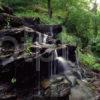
<point>40,38</point>
<point>55,64</point>
<point>62,65</point>
<point>78,65</point>
<point>51,31</point>
<point>45,38</point>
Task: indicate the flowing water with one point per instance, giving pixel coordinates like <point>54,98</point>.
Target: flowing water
<point>65,54</point>
<point>40,38</point>
<point>45,38</point>
<point>82,92</point>
<point>55,64</point>
<point>62,65</point>
<point>80,74</point>
<point>78,65</point>
<point>51,70</point>
<point>51,31</point>
<point>55,54</point>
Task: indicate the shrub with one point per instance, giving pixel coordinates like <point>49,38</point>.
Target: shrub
<point>89,60</point>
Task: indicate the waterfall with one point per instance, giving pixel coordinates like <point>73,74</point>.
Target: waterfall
<point>53,66</point>
<point>51,31</point>
<point>80,75</point>
<point>40,38</point>
<point>62,65</point>
<point>67,53</point>
<point>51,69</point>
<point>64,53</point>
<point>7,61</point>
<point>45,38</point>
<point>78,64</point>
<point>55,53</point>
<point>55,63</point>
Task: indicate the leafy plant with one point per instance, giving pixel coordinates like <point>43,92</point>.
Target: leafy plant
<point>28,45</point>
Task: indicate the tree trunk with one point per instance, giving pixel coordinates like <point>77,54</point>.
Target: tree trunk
<point>49,9</point>
<point>95,20</point>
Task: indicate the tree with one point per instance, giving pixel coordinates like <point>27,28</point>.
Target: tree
<point>95,5</point>
<point>49,9</point>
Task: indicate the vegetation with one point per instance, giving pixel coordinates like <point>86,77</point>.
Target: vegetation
<point>80,20</point>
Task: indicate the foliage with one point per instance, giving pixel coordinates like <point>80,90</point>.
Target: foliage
<point>95,47</point>
<point>89,60</point>
<point>44,18</point>
<point>78,22</point>
<point>66,38</point>
<point>28,45</point>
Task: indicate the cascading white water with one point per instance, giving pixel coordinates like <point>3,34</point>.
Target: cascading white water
<point>51,31</point>
<point>51,63</point>
<point>55,64</point>
<point>55,53</point>
<point>67,54</point>
<point>80,75</point>
<point>64,64</point>
<point>45,38</point>
<point>64,53</point>
<point>40,38</point>
<point>51,69</point>
<point>78,65</point>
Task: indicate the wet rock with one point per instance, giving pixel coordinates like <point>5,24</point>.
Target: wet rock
<point>82,92</point>
<point>57,86</point>
<point>68,52</point>
<point>15,21</point>
<point>4,94</point>
<point>47,29</point>
<point>31,20</point>
<point>97,97</point>
<point>73,80</point>
<point>8,97</point>
<point>6,9</point>
<point>16,36</point>
<point>96,83</point>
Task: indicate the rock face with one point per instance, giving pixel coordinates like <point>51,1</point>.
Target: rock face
<point>55,29</point>
<point>6,9</point>
<point>7,20</point>
<point>5,95</point>
<point>17,34</point>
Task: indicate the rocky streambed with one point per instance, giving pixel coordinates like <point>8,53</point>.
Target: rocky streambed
<point>34,65</point>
